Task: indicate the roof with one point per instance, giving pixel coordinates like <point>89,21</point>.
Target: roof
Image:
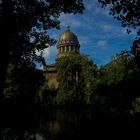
<point>68,37</point>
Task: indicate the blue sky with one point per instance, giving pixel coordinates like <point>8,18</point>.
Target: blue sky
<point>99,34</point>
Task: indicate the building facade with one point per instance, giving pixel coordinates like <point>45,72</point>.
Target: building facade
<point>67,45</point>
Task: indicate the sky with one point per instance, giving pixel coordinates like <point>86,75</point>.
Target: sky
<point>100,35</point>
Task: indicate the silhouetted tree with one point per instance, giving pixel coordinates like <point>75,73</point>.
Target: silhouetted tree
<point>127,11</point>
<point>23,26</point>
<point>119,83</point>
<point>22,84</point>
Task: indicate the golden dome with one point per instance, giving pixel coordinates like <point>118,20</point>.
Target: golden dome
<point>68,44</point>
<point>68,37</point>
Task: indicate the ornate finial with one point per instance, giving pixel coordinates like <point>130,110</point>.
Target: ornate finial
<point>68,28</point>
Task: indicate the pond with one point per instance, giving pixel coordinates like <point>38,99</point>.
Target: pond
<point>65,123</point>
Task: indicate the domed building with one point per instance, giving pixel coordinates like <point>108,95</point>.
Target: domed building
<point>67,45</point>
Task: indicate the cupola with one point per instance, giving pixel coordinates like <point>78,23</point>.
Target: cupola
<point>68,43</point>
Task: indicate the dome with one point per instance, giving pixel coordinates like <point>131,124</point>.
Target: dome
<point>68,44</point>
<point>68,37</point>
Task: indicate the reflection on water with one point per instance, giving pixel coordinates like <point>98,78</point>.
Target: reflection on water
<point>61,123</point>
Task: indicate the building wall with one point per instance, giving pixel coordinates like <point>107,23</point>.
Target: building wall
<point>50,73</point>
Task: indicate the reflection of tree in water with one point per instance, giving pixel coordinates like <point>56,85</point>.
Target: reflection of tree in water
<point>69,124</point>
<point>18,123</point>
<point>61,124</point>
<point>79,123</point>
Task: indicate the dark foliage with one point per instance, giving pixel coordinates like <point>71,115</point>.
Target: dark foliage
<point>127,11</point>
<point>23,26</point>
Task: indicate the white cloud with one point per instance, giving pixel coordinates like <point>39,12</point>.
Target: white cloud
<point>124,32</point>
<point>50,55</point>
<point>69,19</point>
<point>95,7</point>
<point>102,44</point>
<point>84,40</point>
<point>110,30</point>
<point>89,5</point>
<point>37,52</point>
<point>54,33</point>
<point>48,52</point>
<point>106,27</point>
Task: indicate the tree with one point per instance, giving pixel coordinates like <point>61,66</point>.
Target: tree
<point>23,26</point>
<point>119,83</point>
<point>22,84</point>
<point>90,73</point>
<point>127,11</point>
<point>69,78</point>
<point>135,52</point>
<point>76,79</point>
